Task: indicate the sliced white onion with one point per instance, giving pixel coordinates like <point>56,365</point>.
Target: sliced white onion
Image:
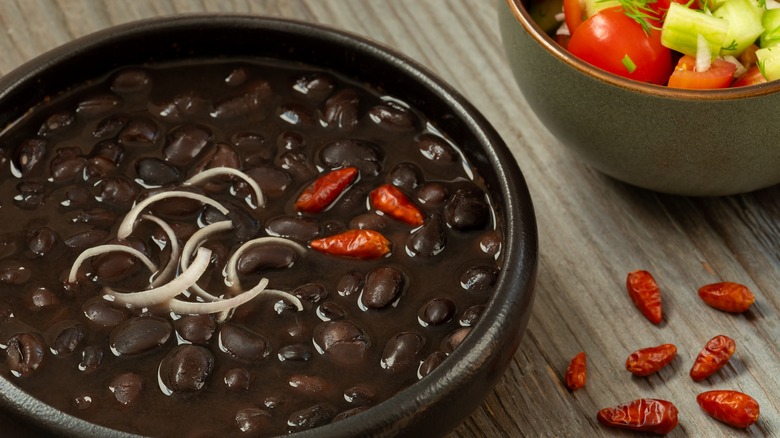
<point>703,55</point>
<point>740,68</point>
<point>231,272</point>
<point>285,296</point>
<point>167,291</point>
<point>103,249</point>
<point>221,171</point>
<point>193,243</point>
<point>128,223</point>
<point>182,307</point>
<point>169,271</point>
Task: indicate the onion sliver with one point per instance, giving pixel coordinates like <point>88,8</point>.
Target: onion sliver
<point>286,296</point>
<point>182,307</point>
<point>126,227</point>
<point>219,171</point>
<point>192,245</point>
<point>103,249</point>
<point>167,291</point>
<point>167,272</point>
<point>231,271</point>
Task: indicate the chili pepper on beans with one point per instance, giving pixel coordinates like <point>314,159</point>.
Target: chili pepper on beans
<point>390,200</point>
<point>712,357</point>
<point>731,407</point>
<point>642,415</point>
<point>361,244</point>
<point>649,360</point>
<point>325,189</point>
<point>727,296</point>
<point>576,373</point>
<point>645,294</point>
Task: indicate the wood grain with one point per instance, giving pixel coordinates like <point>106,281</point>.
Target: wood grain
<point>593,230</point>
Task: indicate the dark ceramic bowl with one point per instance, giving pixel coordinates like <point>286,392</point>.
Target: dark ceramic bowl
<point>687,142</point>
<point>437,403</point>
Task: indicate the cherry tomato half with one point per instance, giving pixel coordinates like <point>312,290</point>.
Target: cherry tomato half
<point>660,7</point>
<point>719,75</point>
<point>612,41</point>
<point>751,77</point>
<point>573,13</point>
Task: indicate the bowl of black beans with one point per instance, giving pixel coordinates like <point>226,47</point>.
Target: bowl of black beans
<point>233,225</point>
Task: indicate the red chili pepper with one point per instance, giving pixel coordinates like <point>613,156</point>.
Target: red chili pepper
<point>643,415</point>
<point>576,373</point>
<point>390,200</point>
<point>325,189</point>
<point>649,360</point>
<point>361,244</point>
<point>645,294</point>
<point>712,357</point>
<point>727,296</point>
<point>731,407</point>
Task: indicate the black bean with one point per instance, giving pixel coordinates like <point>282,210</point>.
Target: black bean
<point>406,176</point>
<point>342,109</point>
<point>181,107</point>
<point>436,311</point>
<point>56,122</point>
<point>312,292</point>
<point>42,240</point>
<point>467,209</point>
<point>40,297</point>
<point>219,155</point>
<point>297,164</point>
<point>25,352</point>
<point>139,132</point>
<point>29,154</point>
<point>186,367</point>
<point>177,206</point>
<point>197,329</point>
<point>430,239</point>
<point>314,86</point>
<point>302,229</point>
<point>430,363</point>
<point>490,243</point>
<point>78,195</point>
<point>118,191</point>
<point>185,143</point>
<point>454,339</point>
<point>31,195</point>
<point>432,194</point>
<point>310,386</point>
<point>349,413</point>
<point>311,417</point>
<point>97,167</point>
<point>342,341</point>
<point>6,312</point>
<point>252,420</point>
<point>14,272</point>
<point>156,172</point>
<point>294,353</point>
<point>66,337</point>
<point>402,351</point>
<point>350,283</point>
<point>97,105</point>
<point>243,344</point>
<point>97,217</point>
<point>437,149</point>
<point>114,265</point>
<point>270,256</point>
<point>480,278</point>
<point>384,285</point>
<point>126,387</point>
<point>330,311</point>
<point>67,164</point>
<point>238,379</point>
<point>370,221</point>
<point>272,181</point>
<point>131,81</point>
<point>393,117</point>
<point>91,358</point>
<point>251,101</point>
<point>470,316</point>
<point>86,239</point>
<point>236,77</point>
<point>253,144</point>
<point>290,141</point>
<point>348,152</point>
<point>103,313</point>
<point>298,115</point>
<point>359,395</point>
<point>139,334</point>
<point>82,402</point>
<point>110,126</point>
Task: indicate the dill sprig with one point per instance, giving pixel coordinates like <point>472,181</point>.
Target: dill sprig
<point>641,12</point>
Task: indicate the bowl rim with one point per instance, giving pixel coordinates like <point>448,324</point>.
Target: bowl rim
<point>498,324</point>
<point>522,15</point>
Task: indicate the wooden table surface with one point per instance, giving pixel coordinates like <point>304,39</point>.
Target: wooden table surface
<point>592,230</point>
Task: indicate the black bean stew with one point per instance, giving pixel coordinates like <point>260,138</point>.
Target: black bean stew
<point>148,289</point>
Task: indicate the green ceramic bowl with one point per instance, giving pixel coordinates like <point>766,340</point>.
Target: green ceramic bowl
<point>686,142</point>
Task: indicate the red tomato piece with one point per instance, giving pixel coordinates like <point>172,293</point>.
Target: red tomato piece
<point>751,77</point>
<point>618,44</point>
<point>719,75</point>
<point>660,7</point>
<point>573,13</point>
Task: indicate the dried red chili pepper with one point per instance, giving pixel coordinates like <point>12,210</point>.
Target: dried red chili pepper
<point>390,200</point>
<point>576,373</point>
<point>325,189</point>
<point>645,294</point>
<point>712,357</point>
<point>727,296</point>
<point>731,407</point>
<point>642,415</point>
<point>361,244</point>
<point>649,360</point>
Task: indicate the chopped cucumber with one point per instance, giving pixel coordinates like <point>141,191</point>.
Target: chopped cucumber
<point>744,19</point>
<point>682,27</point>
<point>771,23</point>
<point>769,62</point>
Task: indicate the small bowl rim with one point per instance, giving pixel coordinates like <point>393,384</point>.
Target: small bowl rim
<point>522,15</point>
